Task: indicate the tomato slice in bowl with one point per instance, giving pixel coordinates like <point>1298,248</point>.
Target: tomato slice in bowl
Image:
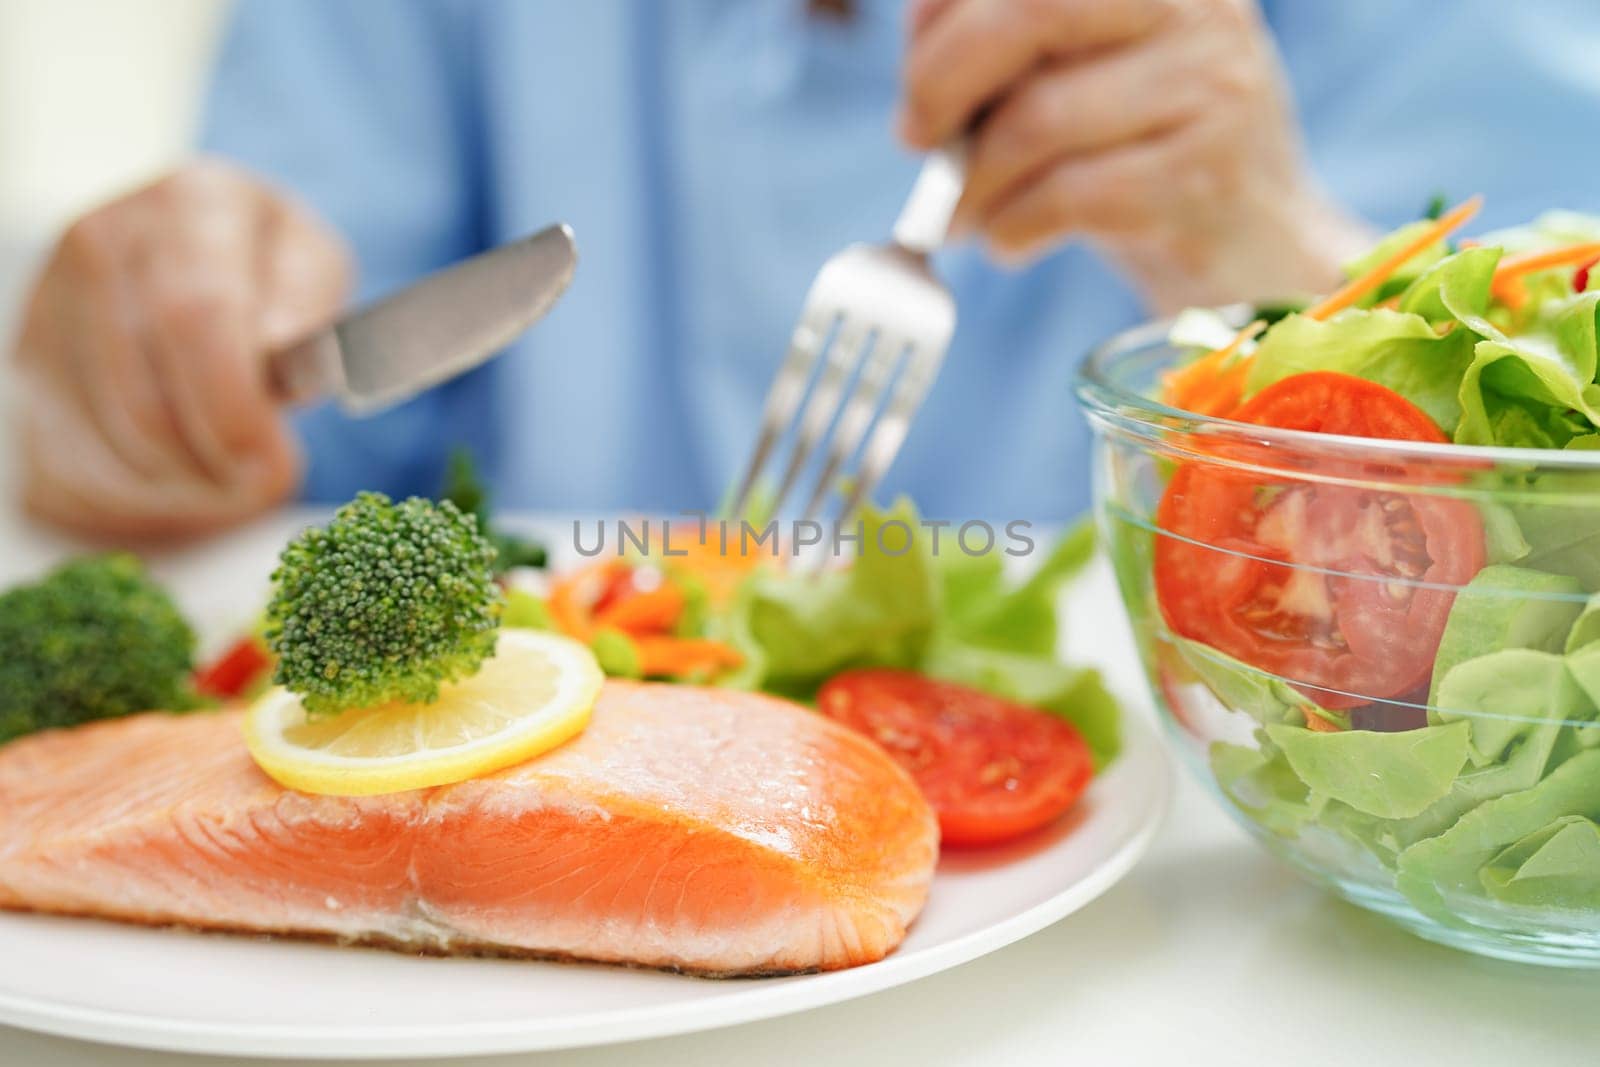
<point>992,769</point>
<point>1340,589</point>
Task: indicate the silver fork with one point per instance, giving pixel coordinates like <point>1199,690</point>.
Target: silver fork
<point>876,315</point>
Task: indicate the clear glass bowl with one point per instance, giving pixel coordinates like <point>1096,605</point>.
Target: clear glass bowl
<point>1454,784</point>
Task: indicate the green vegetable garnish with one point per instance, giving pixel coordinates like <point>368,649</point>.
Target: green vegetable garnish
<point>953,616</point>
<point>464,488</point>
<point>525,611</point>
<point>385,603</point>
<point>94,639</point>
<point>618,656</point>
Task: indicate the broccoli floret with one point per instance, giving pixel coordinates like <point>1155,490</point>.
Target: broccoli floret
<point>93,639</point>
<point>383,604</point>
<point>465,489</point>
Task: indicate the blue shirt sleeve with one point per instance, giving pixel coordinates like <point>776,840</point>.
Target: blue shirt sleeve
<point>365,112</point>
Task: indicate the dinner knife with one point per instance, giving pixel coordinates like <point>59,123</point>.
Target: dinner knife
<point>428,332</point>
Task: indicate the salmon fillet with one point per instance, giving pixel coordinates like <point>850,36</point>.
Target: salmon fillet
<point>703,830</point>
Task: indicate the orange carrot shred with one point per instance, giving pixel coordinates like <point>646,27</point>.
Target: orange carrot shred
<point>573,596</point>
<point>1510,291</point>
<point>1214,383</point>
<point>1318,725</point>
<point>654,611</point>
<point>674,657</point>
<point>1507,285</point>
<point>1360,286</point>
<point>1208,380</point>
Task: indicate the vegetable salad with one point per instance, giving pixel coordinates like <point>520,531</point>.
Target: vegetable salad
<point>1423,670</point>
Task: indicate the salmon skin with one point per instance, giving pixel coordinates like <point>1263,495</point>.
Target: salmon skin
<point>702,830</point>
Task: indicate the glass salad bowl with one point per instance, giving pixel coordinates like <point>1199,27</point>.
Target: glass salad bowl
<point>1382,654</point>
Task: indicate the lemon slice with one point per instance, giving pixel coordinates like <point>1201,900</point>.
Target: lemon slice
<point>535,692</point>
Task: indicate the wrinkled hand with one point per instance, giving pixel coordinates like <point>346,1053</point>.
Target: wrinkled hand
<point>1160,129</point>
<point>143,410</point>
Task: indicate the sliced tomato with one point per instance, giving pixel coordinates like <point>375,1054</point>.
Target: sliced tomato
<point>244,665</point>
<point>992,769</point>
<point>1342,590</point>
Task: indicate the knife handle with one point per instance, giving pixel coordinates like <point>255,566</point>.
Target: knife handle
<point>305,371</point>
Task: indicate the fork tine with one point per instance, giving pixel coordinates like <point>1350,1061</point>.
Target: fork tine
<point>783,397</point>
<point>921,368</point>
<point>820,410</point>
<point>888,290</point>
<point>877,370</point>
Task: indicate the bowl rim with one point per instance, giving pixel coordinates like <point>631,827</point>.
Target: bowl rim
<point>1099,397</point>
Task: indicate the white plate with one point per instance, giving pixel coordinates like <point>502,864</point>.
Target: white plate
<point>178,991</point>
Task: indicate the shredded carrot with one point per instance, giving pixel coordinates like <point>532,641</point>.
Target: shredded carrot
<point>653,611</point>
<point>1317,724</point>
<point>1222,394</point>
<point>573,596</point>
<point>676,657</point>
<point>721,573</point>
<point>1565,256</point>
<point>1360,286</point>
<point>1208,380</point>
<point>1214,383</point>
<point>1511,292</point>
<point>1507,285</point>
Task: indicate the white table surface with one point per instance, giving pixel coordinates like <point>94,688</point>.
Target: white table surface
<point>1210,952</point>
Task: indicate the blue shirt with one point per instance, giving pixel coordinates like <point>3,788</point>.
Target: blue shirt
<point>711,154</point>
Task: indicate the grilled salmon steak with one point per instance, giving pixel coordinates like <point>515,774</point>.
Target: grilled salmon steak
<point>703,830</point>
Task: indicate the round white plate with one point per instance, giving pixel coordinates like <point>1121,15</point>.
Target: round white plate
<point>234,995</point>
<point>170,990</point>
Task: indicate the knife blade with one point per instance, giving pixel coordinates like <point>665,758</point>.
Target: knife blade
<point>430,331</point>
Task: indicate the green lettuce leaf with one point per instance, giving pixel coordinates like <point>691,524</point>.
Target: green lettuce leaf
<point>1241,687</point>
<point>1535,390</point>
<point>1506,607</point>
<point>1558,515</point>
<point>1557,866</point>
<point>1583,656</point>
<point>1552,229</point>
<point>1389,775</point>
<point>1442,874</point>
<point>1263,785</point>
<point>1399,350</point>
<point>1523,763</point>
<point>1585,629</point>
<point>1453,286</point>
<point>1513,702</point>
<point>950,616</point>
<point>1409,271</point>
<point>980,607</point>
<point>1501,694</point>
<point>880,611</point>
<point>1502,535</point>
